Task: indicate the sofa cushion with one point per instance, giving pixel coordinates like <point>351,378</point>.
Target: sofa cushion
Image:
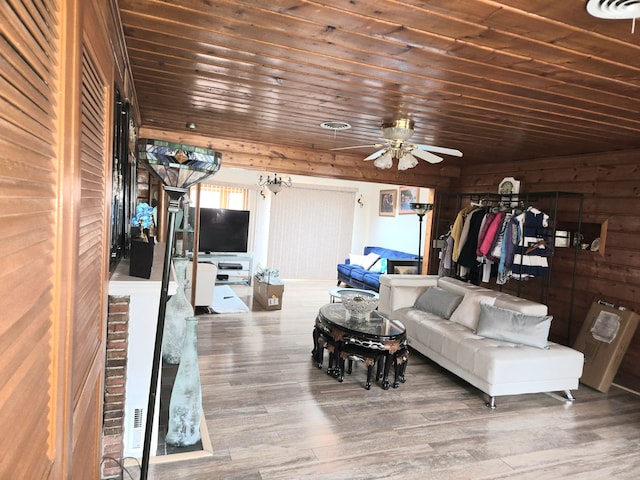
<point>515,327</point>
<point>358,274</point>
<point>438,301</point>
<point>468,312</point>
<point>371,281</point>
<point>346,268</point>
<point>461,288</point>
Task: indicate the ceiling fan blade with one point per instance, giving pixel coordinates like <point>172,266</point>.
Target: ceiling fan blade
<point>375,145</point>
<point>446,151</point>
<point>375,155</point>
<point>427,156</point>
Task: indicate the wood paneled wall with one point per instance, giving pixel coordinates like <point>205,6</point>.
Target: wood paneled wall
<point>610,184</point>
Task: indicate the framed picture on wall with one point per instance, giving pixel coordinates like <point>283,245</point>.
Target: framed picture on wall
<point>387,203</point>
<point>408,195</point>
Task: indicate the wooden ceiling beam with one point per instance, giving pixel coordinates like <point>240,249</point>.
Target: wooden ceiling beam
<point>261,157</point>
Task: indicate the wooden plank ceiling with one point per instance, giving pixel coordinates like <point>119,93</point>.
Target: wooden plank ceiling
<point>510,80</point>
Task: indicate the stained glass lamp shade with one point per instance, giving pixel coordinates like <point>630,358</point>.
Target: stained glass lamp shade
<point>178,165</point>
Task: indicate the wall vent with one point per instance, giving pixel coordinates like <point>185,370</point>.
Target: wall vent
<point>137,430</point>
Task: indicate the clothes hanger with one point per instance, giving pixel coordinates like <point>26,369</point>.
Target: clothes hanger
<point>480,203</point>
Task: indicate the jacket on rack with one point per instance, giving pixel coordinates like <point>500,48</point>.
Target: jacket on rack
<point>536,244</point>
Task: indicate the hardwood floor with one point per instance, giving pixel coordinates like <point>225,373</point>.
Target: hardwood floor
<point>273,415</point>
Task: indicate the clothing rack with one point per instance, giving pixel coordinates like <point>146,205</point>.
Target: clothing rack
<point>449,204</point>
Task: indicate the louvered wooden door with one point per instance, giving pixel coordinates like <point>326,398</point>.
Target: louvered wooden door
<point>89,316</point>
<point>28,179</point>
<point>55,91</point>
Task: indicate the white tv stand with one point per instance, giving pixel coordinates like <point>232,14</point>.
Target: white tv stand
<point>232,267</point>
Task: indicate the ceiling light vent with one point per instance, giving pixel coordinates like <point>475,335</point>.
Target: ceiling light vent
<point>335,125</point>
<point>614,9</point>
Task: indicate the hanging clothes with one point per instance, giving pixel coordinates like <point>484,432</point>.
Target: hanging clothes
<point>535,245</point>
<point>445,268</point>
<point>457,229</point>
<point>487,237</point>
<point>495,252</point>
<point>510,240</point>
<point>467,256</point>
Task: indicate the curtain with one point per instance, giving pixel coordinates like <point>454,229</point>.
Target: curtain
<point>310,230</point>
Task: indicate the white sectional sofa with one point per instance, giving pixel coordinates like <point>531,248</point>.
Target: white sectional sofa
<point>495,341</point>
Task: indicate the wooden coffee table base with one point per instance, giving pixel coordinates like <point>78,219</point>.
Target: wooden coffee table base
<point>375,341</point>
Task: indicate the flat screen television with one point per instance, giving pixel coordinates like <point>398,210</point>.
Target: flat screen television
<point>223,230</point>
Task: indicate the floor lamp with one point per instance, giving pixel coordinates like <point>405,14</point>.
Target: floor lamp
<point>421,209</point>
<point>178,167</point>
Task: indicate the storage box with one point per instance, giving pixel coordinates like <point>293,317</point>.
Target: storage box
<point>603,339</point>
<point>268,296</point>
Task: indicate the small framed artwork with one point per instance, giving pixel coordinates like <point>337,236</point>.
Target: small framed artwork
<point>388,203</point>
<point>408,195</point>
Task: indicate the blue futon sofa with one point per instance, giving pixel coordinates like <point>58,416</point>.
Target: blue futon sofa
<point>369,279</point>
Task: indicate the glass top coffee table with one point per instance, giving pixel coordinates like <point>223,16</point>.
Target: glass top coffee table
<point>376,338</point>
<point>336,293</point>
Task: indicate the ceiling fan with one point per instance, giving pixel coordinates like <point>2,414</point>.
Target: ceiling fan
<point>396,134</point>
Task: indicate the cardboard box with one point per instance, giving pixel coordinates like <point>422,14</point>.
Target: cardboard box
<point>603,339</point>
<point>268,296</point>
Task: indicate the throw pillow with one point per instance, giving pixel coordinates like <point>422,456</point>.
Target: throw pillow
<point>356,259</point>
<point>515,327</point>
<point>438,301</point>
<point>369,260</point>
<point>380,266</point>
<point>468,312</point>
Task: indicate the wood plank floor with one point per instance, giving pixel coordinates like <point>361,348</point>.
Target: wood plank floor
<point>273,415</point>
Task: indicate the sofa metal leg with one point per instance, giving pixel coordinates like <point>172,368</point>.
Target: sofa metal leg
<point>567,398</point>
<point>491,403</point>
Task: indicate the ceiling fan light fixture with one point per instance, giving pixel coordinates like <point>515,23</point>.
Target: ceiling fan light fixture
<point>384,161</point>
<point>407,161</point>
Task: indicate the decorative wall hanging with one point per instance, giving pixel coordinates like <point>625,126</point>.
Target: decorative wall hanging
<point>408,195</point>
<point>387,203</point>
